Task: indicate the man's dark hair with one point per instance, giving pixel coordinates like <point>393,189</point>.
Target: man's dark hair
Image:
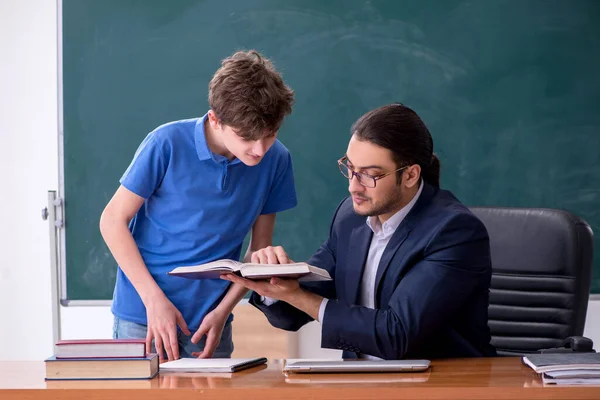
<point>249,95</point>
<point>400,130</point>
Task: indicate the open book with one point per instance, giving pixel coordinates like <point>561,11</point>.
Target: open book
<point>212,270</point>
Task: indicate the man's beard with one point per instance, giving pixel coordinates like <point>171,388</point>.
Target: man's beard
<point>390,204</point>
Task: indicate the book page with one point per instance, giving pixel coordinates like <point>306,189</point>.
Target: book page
<point>265,271</point>
<point>300,271</point>
<point>218,265</point>
<point>221,264</point>
<point>256,265</point>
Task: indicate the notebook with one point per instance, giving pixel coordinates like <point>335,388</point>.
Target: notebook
<point>304,366</point>
<point>572,377</point>
<point>210,364</point>
<point>562,361</point>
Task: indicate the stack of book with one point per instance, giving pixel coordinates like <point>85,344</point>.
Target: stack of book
<point>101,359</point>
<point>566,368</point>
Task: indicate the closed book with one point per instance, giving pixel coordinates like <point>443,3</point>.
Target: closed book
<point>114,384</point>
<point>572,377</point>
<point>100,348</point>
<point>301,271</point>
<point>102,368</point>
<point>562,361</point>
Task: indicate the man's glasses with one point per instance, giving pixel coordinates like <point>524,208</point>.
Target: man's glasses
<point>368,181</point>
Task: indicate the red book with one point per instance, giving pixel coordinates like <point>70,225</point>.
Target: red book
<point>101,348</point>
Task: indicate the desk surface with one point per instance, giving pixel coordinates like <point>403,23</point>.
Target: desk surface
<point>492,378</point>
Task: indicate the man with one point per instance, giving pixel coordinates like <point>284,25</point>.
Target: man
<point>410,264</point>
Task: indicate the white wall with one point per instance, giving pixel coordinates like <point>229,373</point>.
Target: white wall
<point>592,322</point>
<point>29,161</point>
<point>28,119</point>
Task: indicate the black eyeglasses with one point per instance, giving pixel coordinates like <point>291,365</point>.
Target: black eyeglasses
<point>366,180</point>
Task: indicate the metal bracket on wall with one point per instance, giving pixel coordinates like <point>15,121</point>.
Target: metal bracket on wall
<point>57,203</point>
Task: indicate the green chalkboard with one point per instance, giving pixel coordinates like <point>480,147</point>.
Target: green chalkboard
<point>509,89</point>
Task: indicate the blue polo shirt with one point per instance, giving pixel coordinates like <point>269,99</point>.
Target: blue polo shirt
<point>199,207</point>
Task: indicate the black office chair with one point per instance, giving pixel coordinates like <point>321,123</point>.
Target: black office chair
<point>541,275</point>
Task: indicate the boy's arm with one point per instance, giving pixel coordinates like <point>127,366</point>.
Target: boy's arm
<point>212,325</point>
<point>162,315</point>
<point>262,234</point>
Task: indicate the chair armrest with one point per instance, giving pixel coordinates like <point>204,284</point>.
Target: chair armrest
<point>572,344</point>
<point>579,343</point>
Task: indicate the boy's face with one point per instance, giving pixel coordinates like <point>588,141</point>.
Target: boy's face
<point>250,152</point>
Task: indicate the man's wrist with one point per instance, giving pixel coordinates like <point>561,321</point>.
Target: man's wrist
<point>295,297</point>
<point>305,301</point>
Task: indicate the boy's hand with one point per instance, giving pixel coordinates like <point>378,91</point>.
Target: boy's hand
<point>211,326</point>
<point>163,318</point>
<point>271,255</point>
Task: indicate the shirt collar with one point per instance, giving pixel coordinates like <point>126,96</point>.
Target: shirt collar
<point>390,226</point>
<point>202,149</point>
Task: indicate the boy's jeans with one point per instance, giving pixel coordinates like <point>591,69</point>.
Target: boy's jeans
<point>130,330</point>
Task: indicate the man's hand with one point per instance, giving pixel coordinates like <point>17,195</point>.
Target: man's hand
<point>211,326</point>
<point>287,290</point>
<point>271,255</point>
<point>276,288</point>
<point>163,318</point>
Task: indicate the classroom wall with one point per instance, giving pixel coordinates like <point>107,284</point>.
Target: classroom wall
<point>28,157</point>
<point>29,161</point>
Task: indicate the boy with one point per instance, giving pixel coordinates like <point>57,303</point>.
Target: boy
<point>192,192</point>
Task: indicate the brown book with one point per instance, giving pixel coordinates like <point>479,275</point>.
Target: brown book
<point>101,368</point>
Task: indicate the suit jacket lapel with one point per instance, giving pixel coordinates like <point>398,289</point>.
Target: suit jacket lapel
<point>401,234</point>
<point>360,241</point>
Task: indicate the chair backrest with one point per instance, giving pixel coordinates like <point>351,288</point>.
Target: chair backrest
<point>541,275</point>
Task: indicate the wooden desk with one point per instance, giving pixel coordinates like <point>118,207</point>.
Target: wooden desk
<point>498,378</point>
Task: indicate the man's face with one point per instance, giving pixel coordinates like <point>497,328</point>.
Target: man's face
<point>250,152</point>
<point>387,195</point>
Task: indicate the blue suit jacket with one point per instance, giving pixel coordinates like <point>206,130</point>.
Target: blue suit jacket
<point>431,288</point>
